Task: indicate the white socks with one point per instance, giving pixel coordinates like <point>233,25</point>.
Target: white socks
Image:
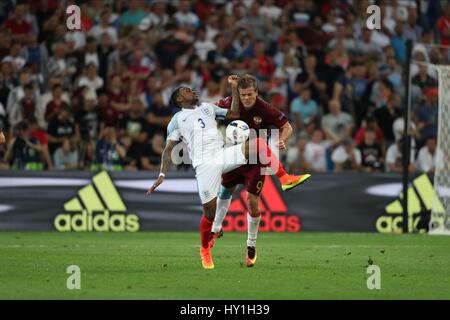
<point>253,224</point>
<point>221,212</point>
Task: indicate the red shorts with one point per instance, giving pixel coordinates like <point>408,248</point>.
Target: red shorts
<point>248,175</point>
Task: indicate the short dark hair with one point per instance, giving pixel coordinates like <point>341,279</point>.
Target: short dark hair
<point>174,96</point>
<point>247,81</point>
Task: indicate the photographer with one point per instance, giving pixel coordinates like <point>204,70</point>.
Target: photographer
<point>24,152</point>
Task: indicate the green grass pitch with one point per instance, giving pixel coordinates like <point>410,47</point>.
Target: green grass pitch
<point>157,265</point>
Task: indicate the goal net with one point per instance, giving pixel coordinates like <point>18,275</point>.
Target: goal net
<point>440,210</point>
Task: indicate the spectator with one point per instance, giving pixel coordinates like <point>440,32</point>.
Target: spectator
<point>134,15</point>
<point>394,158</point>
<point>66,156</point>
<point>443,26</point>
<point>19,27</point>
<point>159,115</point>
<point>346,157</point>
<point>24,109</point>
<point>117,102</point>
<point>15,57</point>
<point>134,124</point>
<point>104,27</point>
<point>370,123</point>
<point>109,152</point>
<point>316,152</point>
<point>17,93</point>
<point>60,127</point>
<point>371,152</point>
<point>427,115</point>
<point>24,152</point>
<point>58,65</point>
<point>304,109</point>
<point>426,159</point>
<point>314,78</point>
<point>185,17</point>
<point>387,115</point>
<point>168,49</point>
<point>337,125</point>
<point>36,132</point>
<point>91,80</point>
<point>56,104</point>
<point>149,155</point>
<point>423,80</point>
<point>296,156</point>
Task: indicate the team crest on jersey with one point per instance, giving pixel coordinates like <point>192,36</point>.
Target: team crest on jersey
<point>257,120</point>
<point>207,112</point>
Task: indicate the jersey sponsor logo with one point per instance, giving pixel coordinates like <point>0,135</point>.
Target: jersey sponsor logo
<point>97,207</point>
<point>274,217</point>
<point>422,199</point>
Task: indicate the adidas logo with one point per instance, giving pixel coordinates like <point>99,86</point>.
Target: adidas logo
<point>422,199</point>
<point>273,212</point>
<point>97,207</point>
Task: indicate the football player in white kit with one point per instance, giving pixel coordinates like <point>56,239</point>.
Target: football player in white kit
<point>196,126</point>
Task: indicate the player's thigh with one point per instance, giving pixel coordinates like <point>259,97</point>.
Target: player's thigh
<point>208,181</point>
<point>230,180</point>
<point>233,158</point>
<point>254,179</point>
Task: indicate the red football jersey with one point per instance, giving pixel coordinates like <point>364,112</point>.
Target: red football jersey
<point>261,116</point>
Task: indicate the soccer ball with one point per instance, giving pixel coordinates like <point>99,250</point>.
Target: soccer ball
<point>237,132</point>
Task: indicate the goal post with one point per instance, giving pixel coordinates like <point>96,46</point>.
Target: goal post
<point>440,211</point>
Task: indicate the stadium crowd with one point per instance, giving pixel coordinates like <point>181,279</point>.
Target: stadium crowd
<point>100,97</point>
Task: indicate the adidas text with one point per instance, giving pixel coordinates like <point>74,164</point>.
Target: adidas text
<point>102,222</point>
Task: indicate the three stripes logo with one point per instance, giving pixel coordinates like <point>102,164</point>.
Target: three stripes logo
<point>422,199</point>
<point>273,212</point>
<point>97,207</point>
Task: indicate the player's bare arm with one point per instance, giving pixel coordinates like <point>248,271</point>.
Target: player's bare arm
<point>166,161</point>
<point>285,132</point>
<point>234,112</point>
<point>2,137</point>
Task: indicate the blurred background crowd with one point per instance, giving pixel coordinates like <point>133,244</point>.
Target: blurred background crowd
<point>98,98</point>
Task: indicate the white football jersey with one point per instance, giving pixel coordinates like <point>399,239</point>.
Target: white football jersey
<point>197,128</point>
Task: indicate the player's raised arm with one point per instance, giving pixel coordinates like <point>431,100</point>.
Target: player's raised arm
<point>2,137</point>
<point>234,112</point>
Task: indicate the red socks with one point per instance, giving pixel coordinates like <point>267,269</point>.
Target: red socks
<point>205,231</point>
<point>265,153</point>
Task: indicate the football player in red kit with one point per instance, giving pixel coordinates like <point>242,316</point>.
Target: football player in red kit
<point>258,114</point>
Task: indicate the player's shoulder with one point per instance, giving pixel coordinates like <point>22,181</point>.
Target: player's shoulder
<point>262,104</point>
<point>207,108</point>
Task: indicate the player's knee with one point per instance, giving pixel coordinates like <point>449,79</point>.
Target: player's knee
<point>225,193</point>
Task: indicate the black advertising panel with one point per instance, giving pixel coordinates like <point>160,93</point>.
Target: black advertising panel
<point>117,202</point>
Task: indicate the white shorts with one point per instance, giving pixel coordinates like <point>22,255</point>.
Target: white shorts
<point>209,174</point>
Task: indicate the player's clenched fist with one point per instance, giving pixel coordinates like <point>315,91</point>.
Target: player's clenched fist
<point>233,80</point>
<point>281,145</point>
<point>2,138</point>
